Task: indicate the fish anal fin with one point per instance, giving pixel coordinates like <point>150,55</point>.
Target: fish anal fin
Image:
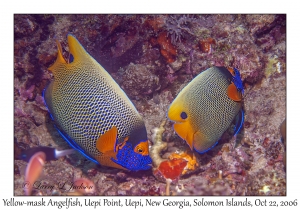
<point>107,161</point>
<point>60,58</point>
<point>106,143</point>
<point>185,131</point>
<point>202,143</point>
<point>233,93</point>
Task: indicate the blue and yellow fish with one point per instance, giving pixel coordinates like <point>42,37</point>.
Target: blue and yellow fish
<point>207,106</point>
<point>93,114</point>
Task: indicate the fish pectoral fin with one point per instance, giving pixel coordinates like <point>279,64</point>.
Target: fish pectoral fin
<point>185,131</point>
<point>233,93</point>
<point>239,121</point>
<point>110,154</point>
<point>107,141</point>
<point>121,145</point>
<point>202,143</point>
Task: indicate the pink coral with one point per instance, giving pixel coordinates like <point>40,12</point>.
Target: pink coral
<point>27,94</point>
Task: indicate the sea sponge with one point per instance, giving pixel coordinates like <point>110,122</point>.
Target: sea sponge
<point>190,158</point>
<point>158,144</point>
<point>167,49</point>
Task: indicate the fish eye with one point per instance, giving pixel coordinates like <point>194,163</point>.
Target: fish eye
<point>142,148</point>
<point>183,115</point>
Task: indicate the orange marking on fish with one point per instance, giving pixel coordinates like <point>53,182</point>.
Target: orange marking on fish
<point>107,141</point>
<point>231,70</point>
<point>121,145</point>
<point>142,148</point>
<point>233,93</point>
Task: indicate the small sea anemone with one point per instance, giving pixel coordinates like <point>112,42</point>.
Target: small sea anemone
<point>171,169</point>
<point>177,25</point>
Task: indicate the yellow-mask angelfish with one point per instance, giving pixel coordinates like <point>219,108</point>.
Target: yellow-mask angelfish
<point>207,106</point>
<point>93,114</point>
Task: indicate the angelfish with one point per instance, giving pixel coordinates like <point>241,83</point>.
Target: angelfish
<point>93,114</point>
<point>207,106</point>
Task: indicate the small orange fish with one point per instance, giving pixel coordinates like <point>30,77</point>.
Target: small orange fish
<point>33,170</point>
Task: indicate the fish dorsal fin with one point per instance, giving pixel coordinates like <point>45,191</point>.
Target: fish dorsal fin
<point>185,131</point>
<point>76,50</point>
<point>60,58</point>
<point>106,143</point>
<point>202,143</point>
<point>233,93</point>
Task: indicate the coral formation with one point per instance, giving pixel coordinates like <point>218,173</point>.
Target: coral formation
<point>178,25</point>
<point>158,145</point>
<point>152,57</point>
<point>205,45</point>
<point>191,161</point>
<point>138,81</point>
<point>167,49</point>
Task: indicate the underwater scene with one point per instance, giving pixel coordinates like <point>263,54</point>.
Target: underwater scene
<point>150,105</point>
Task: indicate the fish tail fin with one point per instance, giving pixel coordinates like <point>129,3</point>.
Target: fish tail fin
<point>60,58</point>
<point>239,121</point>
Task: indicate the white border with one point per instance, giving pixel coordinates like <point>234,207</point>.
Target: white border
<point>154,6</point>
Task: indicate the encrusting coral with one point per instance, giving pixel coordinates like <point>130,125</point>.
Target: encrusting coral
<point>169,170</point>
<point>158,144</point>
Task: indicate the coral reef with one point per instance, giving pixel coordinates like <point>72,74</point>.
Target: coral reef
<point>191,161</point>
<point>152,57</point>
<point>205,45</point>
<point>167,49</point>
<point>138,81</point>
<point>178,25</point>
